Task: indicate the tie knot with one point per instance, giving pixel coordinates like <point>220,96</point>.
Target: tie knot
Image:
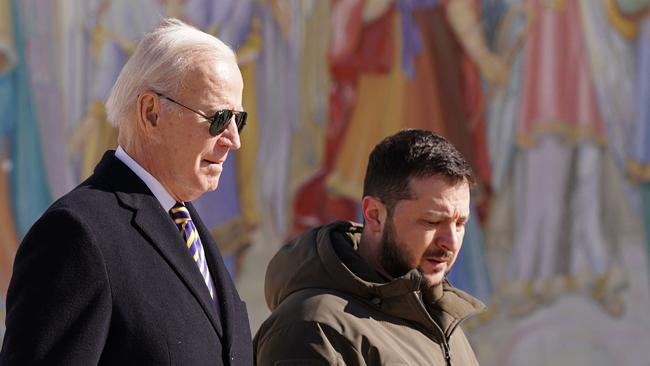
<point>179,211</point>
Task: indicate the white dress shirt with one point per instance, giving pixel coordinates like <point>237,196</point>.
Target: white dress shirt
<point>165,199</point>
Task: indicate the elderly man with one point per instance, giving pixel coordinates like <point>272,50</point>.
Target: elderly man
<point>346,294</point>
<point>121,270</point>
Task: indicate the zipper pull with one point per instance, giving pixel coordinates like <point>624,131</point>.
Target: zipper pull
<point>419,295</point>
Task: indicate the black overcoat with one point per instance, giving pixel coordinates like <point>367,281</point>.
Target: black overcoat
<point>104,277</point>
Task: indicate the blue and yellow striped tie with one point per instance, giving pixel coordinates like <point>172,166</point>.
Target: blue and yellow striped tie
<point>183,221</point>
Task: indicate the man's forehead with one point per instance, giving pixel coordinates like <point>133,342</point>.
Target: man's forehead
<point>435,205</point>
<point>437,197</point>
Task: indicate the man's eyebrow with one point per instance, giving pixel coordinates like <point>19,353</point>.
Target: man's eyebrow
<point>445,214</point>
<point>437,214</point>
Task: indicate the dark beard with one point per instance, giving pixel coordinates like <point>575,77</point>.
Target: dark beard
<point>394,261</point>
<point>391,258</point>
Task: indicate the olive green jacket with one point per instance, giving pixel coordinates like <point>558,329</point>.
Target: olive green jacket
<point>329,307</point>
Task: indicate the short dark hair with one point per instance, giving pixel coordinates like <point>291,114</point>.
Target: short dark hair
<point>407,154</point>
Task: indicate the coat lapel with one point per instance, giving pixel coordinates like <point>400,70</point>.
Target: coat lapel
<point>224,286</point>
<point>166,238</point>
<point>152,220</point>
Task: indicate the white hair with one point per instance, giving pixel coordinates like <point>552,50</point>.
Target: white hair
<point>159,63</point>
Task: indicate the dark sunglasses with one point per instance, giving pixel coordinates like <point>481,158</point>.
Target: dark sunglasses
<point>218,122</point>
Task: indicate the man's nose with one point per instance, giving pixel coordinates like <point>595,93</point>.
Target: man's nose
<point>447,237</point>
<point>230,136</point>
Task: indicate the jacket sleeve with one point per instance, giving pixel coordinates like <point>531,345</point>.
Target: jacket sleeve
<point>58,302</point>
<point>304,343</point>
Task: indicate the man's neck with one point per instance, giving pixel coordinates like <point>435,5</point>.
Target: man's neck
<point>369,251</point>
<point>162,194</point>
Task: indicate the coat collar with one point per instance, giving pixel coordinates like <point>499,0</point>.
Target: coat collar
<point>406,297</point>
<point>326,258</point>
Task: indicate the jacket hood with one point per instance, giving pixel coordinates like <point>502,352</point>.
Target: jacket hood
<point>326,258</point>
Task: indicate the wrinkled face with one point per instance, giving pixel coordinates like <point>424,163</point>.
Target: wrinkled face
<point>187,160</point>
<point>426,232</point>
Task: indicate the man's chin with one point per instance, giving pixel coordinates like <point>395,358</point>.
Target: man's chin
<point>433,279</point>
<point>211,183</point>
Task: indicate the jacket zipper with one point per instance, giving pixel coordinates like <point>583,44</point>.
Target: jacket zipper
<point>446,350</point>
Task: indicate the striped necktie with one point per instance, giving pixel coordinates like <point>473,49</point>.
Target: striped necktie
<point>183,221</point>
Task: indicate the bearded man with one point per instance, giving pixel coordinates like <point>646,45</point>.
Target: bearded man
<point>377,294</point>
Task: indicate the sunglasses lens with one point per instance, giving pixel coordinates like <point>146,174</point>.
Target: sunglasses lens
<point>222,118</point>
<point>220,122</point>
<point>240,119</point>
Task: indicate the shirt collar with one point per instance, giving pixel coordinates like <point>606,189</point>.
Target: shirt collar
<point>165,199</point>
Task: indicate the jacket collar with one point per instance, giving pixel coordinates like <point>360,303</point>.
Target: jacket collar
<point>405,297</point>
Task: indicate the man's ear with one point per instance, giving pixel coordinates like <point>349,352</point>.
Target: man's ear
<point>374,213</point>
<point>148,108</point>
